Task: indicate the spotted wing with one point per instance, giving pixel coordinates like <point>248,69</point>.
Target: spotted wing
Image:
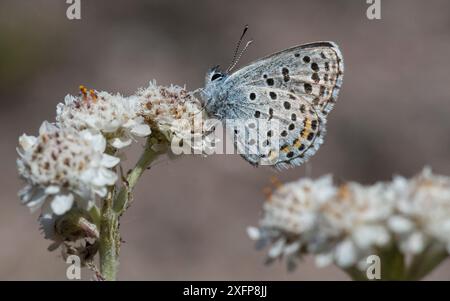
<point>295,88</point>
<point>281,132</point>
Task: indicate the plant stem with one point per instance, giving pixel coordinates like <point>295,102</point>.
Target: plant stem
<point>426,261</point>
<point>392,265</point>
<point>355,274</point>
<point>113,207</point>
<point>122,199</point>
<point>109,241</point>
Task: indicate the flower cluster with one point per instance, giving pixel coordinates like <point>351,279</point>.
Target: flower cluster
<point>347,223</point>
<point>62,167</point>
<point>179,117</point>
<point>71,163</point>
<point>115,116</point>
<point>422,211</point>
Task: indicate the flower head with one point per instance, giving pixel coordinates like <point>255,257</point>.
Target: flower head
<point>115,116</point>
<point>177,115</point>
<point>292,220</point>
<point>347,223</point>
<point>423,211</point>
<point>62,168</point>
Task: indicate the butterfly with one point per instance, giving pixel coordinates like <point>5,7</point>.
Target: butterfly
<point>277,106</point>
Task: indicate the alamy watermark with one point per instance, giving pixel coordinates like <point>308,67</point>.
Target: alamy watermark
<point>248,137</point>
<point>73,271</point>
<point>73,12</point>
<point>373,270</point>
<point>373,12</point>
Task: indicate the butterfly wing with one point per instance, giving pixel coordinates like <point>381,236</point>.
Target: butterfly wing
<point>296,88</point>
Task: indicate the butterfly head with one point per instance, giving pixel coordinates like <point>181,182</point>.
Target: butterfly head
<point>214,80</point>
<point>214,93</point>
<point>214,75</point>
<point>214,86</point>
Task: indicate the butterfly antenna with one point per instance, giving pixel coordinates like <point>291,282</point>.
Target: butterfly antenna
<point>235,55</point>
<point>239,56</point>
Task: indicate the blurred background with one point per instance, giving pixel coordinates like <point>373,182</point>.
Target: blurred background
<point>189,218</point>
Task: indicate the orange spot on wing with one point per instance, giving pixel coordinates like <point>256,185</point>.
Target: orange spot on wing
<point>272,155</point>
<point>285,149</point>
<point>307,129</point>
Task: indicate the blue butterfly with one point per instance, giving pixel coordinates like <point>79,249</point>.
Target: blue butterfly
<point>277,106</point>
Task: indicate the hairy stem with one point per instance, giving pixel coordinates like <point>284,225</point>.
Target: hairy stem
<point>113,207</point>
<point>109,241</point>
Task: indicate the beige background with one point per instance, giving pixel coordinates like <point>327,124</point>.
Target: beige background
<point>190,215</point>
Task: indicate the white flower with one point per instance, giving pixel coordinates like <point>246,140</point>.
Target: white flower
<point>178,116</point>
<point>424,206</point>
<point>115,116</point>
<point>359,213</point>
<point>62,168</point>
<point>400,224</point>
<point>294,206</point>
<point>345,224</point>
<point>292,220</point>
<point>346,254</point>
<point>338,224</point>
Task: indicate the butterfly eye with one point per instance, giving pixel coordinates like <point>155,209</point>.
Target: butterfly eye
<point>216,76</point>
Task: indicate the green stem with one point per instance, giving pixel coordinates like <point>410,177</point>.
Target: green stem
<point>122,199</point>
<point>392,265</point>
<point>113,207</point>
<point>425,262</point>
<point>109,241</point>
<point>355,274</point>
